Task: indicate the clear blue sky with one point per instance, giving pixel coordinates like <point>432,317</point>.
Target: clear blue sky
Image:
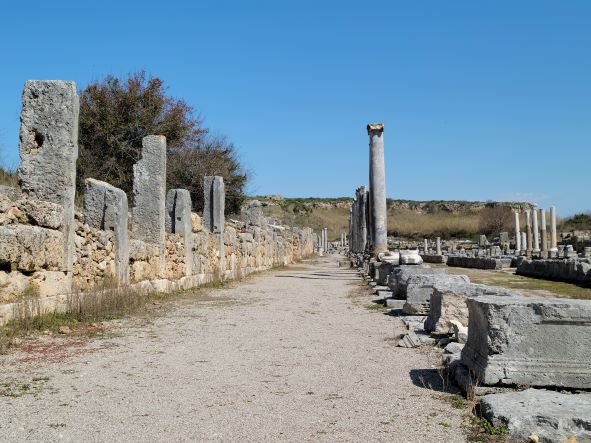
<point>480,99</point>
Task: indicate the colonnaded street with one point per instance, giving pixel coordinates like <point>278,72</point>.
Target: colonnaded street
<point>293,354</point>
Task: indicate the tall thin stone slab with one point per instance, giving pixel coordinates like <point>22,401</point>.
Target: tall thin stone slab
<point>438,245</point>
<point>49,149</point>
<point>378,189</point>
<point>149,193</point>
<point>517,234</point>
<point>105,208</point>
<point>178,221</point>
<point>214,200</point>
<point>214,205</point>
<point>553,240</point>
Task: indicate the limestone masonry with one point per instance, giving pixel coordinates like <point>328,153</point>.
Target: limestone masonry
<point>49,249</point>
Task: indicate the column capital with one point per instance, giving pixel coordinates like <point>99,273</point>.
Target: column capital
<point>375,127</point>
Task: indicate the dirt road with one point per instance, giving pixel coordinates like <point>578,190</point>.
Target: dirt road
<point>289,355</point>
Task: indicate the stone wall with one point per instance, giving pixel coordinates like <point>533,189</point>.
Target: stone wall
<point>49,249</point>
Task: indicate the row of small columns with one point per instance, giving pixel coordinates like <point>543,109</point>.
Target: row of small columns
<point>530,239</point>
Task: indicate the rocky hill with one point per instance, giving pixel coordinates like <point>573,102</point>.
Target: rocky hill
<point>406,218</point>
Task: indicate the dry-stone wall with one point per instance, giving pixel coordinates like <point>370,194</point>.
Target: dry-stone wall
<point>49,249</point>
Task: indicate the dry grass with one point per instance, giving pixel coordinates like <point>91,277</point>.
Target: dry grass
<point>410,224</point>
<point>527,285</point>
<point>8,178</point>
<point>401,222</point>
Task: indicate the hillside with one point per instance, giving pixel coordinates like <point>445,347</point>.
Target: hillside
<point>406,218</point>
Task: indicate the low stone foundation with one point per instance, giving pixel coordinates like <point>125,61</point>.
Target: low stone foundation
<point>571,270</point>
<point>479,262</point>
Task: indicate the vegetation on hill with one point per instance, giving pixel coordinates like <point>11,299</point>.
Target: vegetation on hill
<point>578,222</point>
<point>407,219</point>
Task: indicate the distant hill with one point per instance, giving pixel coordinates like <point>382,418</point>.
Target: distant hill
<point>406,218</point>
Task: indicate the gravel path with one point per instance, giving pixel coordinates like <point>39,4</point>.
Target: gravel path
<point>289,355</point>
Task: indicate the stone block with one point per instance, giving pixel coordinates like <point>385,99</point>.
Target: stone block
<point>149,192</point>
<point>410,257</point>
<point>49,149</point>
<point>549,415</point>
<point>526,341</point>
<point>31,248</point>
<point>42,213</point>
<point>449,305</point>
<point>381,272</point>
<point>419,289</point>
<point>106,208</point>
<point>252,213</point>
<point>399,276</point>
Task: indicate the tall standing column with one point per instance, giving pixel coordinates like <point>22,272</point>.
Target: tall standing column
<point>326,239</point>
<point>438,245</point>
<point>544,232</point>
<point>378,188</point>
<point>517,234</point>
<point>553,242</point>
<point>528,230</point>
<point>523,241</point>
<point>425,246</point>
<point>536,231</point>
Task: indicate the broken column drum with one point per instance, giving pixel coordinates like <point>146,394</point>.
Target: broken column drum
<point>378,188</point>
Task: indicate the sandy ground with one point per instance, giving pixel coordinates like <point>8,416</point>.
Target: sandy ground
<point>288,355</point>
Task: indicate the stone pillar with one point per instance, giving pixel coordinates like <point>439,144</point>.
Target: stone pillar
<point>536,231</point>
<point>48,150</point>
<point>352,226</point>
<point>362,202</point>
<point>529,231</point>
<point>149,193</point>
<point>214,204</point>
<point>105,208</point>
<point>544,233</point>
<point>438,245</point>
<point>425,246</point>
<point>378,189</point>
<point>517,234</point>
<point>523,241</point>
<point>553,242</point>
<point>178,221</point>
<point>326,239</point>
